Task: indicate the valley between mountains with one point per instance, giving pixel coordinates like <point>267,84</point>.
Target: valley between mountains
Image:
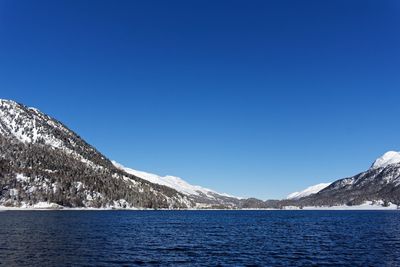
<point>44,164</point>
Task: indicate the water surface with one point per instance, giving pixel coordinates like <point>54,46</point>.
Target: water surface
<point>199,238</point>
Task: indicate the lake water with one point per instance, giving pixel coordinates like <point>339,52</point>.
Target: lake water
<point>199,238</point>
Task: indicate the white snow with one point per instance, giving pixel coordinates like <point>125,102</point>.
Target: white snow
<point>120,204</point>
<point>308,191</point>
<point>174,182</point>
<point>368,205</point>
<point>22,178</point>
<point>37,206</point>
<point>46,205</point>
<point>390,157</point>
<point>78,185</point>
<point>30,127</point>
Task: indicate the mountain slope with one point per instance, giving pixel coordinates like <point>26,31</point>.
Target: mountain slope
<point>380,183</point>
<point>390,157</point>
<point>177,183</point>
<point>29,125</point>
<point>203,197</point>
<point>308,191</point>
<point>41,160</point>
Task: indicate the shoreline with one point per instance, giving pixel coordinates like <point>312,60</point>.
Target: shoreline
<point>357,208</point>
<point>46,206</point>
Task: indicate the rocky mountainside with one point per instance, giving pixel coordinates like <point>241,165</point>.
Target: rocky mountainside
<point>379,184</point>
<point>42,161</point>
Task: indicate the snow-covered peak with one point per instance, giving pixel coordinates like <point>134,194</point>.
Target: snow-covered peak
<point>5,101</point>
<point>308,191</point>
<point>174,182</point>
<point>390,157</point>
<point>29,125</point>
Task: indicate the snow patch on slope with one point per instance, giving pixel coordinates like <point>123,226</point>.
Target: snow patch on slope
<point>26,127</point>
<point>29,125</point>
<point>390,157</point>
<point>174,182</point>
<point>367,205</point>
<point>308,191</point>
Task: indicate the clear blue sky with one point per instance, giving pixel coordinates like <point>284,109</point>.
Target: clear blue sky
<point>252,98</point>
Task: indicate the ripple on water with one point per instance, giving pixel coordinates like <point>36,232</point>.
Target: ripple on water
<point>200,238</point>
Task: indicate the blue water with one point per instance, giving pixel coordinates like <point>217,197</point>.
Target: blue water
<point>199,238</point>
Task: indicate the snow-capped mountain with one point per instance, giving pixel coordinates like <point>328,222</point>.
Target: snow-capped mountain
<point>41,160</point>
<point>308,191</point>
<point>60,168</point>
<point>174,182</point>
<point>29,125</point>
<point>380,183</point>
<point>390,157</point>
<point>203,197</point>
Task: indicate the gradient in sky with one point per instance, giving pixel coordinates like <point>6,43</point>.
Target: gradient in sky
<point>252,98</point>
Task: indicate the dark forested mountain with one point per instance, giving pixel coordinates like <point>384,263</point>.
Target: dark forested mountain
<point>379,184</point>
<point>42,161</point>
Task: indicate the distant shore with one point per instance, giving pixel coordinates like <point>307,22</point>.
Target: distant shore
<point>55,207</point>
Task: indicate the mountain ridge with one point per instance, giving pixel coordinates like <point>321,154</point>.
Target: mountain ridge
<point>38,146</point>
<point>390,157</point>
<point>43,161</point>
<point>308,191</point>
<point>171,181</point>
<point>35,133</point>
<point>378,184</point>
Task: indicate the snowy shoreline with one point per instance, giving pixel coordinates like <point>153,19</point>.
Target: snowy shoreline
<point>364,207</point>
